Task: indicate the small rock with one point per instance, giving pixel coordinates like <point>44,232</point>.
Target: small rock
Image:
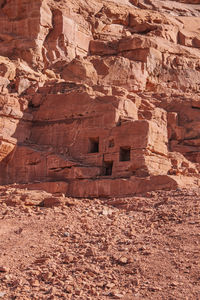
<point>107,212</point>
<point>68,259</point>
<point>123,260</point>
<point>174,283</point>
<point>35,283</point>
<point>18,231</point>
<point>66,234</point>
<point>69,289</point>
<point>52,290</point>
<point>90,252</point>
<point>13,201</point>
<point>41,260</point>
<point>46,276</point>
<point>129,297</point>
<point>69,202</point>
<point>154,289</point>
<point>29,202</point>
<point>4,269</point>
<point>2,294</point>
<point>110,285</point>
<point>51,202</point>
<point>7,277</point>
<point>116,294</point>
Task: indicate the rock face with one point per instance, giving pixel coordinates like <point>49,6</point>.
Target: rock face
<point>100,98</point>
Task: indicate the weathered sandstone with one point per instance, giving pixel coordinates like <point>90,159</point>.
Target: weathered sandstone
<point>100,98</point>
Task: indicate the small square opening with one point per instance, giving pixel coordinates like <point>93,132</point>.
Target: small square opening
<point>93,145</point>
<point>125,153</point>
<point>108,166</point>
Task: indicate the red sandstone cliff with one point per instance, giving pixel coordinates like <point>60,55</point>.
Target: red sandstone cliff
<point>100,98</point>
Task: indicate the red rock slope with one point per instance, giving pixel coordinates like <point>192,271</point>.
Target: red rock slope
<point>100,98</point>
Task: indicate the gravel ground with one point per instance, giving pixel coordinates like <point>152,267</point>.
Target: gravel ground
<point>144,247</point>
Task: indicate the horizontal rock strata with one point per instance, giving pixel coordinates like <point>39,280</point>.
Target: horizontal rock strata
<point>100,98</point>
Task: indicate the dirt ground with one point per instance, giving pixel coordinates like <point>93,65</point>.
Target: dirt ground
<point>144,247</point>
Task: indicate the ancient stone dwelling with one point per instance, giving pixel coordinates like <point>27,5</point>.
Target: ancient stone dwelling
<point>100,98</point>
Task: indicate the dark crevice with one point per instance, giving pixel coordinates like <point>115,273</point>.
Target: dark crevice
<point>195,107</point>
<point>192,138</point>
<point>59,169</point>
<point>34,163</point>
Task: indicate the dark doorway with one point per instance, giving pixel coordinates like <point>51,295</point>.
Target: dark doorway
<point>94,145</point>
<point>125,153</point>
<point>108,165</point>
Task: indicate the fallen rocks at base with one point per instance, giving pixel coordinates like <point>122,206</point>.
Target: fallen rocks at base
<point>145,246</point>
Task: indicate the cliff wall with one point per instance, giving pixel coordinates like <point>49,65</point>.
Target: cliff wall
<point>100,98</point>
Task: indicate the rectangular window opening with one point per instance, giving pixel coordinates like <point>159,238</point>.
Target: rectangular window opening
<point>125,154</point>
<point>93,145</point>
<point>108,166</point>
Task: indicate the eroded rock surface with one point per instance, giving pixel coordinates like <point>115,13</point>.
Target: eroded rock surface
<point>100,98</point>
